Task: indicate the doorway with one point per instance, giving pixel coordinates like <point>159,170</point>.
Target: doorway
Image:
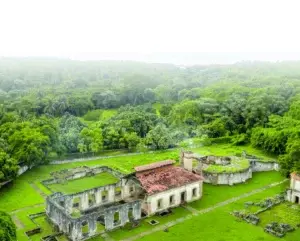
<point>296,199</point>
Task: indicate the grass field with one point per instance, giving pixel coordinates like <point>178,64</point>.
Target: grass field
<point>78,185</point>
<point>220,225</point>
<point>26,196</point>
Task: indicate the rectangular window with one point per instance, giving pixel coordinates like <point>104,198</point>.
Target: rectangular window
<point>104,196</point>
<point>131,189</point>
<point>194,192</point>
<point>159,203</point>
<point>172,199</point>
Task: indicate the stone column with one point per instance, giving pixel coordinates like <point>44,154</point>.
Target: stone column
<point>125,191</point>
<point>76,232</point>
<point>137,211</point>
<point>92,226</point>
<point>98,196</point>
<point>111,194</point>
<point>84,201</point>
<point>69,205</point>
<point>109,220</point>
<point>123,216</point>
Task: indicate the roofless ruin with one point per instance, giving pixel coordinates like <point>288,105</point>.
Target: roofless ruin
<point>150,189</point>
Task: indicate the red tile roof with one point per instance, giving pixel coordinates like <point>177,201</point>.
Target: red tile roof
<point>154,165</point>
<point>164,178</point>
<point>295,176</point>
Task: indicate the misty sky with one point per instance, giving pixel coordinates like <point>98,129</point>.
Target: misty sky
<point>152,30</point>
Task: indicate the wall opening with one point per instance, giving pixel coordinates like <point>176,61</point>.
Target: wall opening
<point>104,196</point>
<point>85,228</point>
<point>92,199</point>
<point>100,224</point>
<point>297,199</point>
<point>76,201</point>
<point>131,190</point>
<point>183,197</point>
<point>118,192</point>
<point>194,193</point>
<point>159,203</point>
<point>117,220</point>
<point>172,199</point>
<point>130,214</point>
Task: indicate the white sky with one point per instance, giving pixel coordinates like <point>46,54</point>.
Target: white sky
<point>76,28</point>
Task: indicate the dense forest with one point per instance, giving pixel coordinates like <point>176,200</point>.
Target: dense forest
<point>54,107</point>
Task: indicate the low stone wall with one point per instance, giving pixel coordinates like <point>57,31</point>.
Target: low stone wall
<point>227,178</point>
<point>260,166</point>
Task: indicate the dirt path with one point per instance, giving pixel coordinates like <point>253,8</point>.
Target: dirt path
<point>203,211</point>
<point>18,223</point>
<point>28,207</point>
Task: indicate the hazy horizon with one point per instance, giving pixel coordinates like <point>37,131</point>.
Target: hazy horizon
<point>179,32</point>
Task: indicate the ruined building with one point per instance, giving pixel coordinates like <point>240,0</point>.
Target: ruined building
<point>293,193</point>
<point>150,189</point>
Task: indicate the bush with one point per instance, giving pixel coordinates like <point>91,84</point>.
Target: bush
<point>7,228</point>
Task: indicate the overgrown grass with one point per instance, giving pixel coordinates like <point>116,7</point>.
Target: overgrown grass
<point>81,184</point>
<point>213,194</point>
<point>145,226</point>
<point>220,225</point>
<point>283,213</point>
<point>231,150</point>
<point>236,165</point>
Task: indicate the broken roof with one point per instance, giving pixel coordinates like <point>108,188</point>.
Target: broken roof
<point>154,165</point>
<point>165,177</point>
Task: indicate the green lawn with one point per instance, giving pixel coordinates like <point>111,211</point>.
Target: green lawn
<point>145,226</point>
<point>220,225</point>
<point>283,213</point>
<point>81,184</point>
<point>213,194</point>
<point>230,150</point>
<point>23,194</point>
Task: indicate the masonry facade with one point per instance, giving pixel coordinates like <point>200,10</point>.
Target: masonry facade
<point>150,189</point>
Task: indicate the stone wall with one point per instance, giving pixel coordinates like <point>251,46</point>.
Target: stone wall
<point>80,172</point>
<point>172,198</point>
<point>59,209</point>
<point>227,178</point>
<point>260,166</point>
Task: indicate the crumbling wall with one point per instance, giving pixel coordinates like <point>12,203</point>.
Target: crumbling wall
<point>260,166</point>
<point>227,178</point>
<point>59,209</point>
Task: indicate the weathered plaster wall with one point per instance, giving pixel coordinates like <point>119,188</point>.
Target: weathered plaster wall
<point>150,206</point>
<point>259,166</point>
<point>227,178</point>
<point>59,209</point>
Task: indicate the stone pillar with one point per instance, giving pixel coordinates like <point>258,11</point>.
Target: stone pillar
<point>98,196</point>
<point>76,233</point>
<point>109,220</point>
<point>111,194</point>
<point>69,204</point>
<point>187,160</point>
<point>92,226</point>
<point>123,216</point>
<point>84,201</point>
<point>137,211</point>
<point>125,191</point>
